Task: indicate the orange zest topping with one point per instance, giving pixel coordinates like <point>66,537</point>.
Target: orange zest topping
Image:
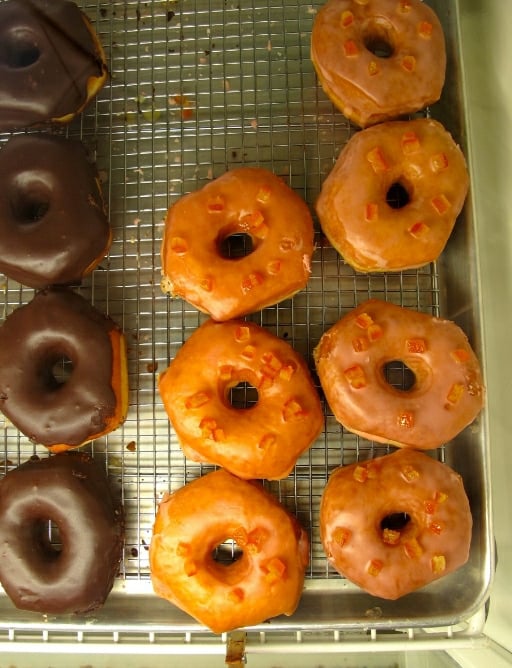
<point>409,63</point>
<point>406,420</point>
<point>292,410</point>
<point>226,372</point>
<point>371,212</point>
<point>438,162</point>
<point>251,220</point>
<point>430,507</point>
<point>377,160</point>
<point>287,244</point>
<point>440,497</point>
<point>240,537</point>
<point>391,537</point>
<point>416,346</point>
<point>197,400</point>
<point>248,352</point>
<point>267,441</point>
<point>410,473</point>
<point>274,569</point>
<point>373,68</point>
<point>350,48</point>
<point>355,376</point>
<point>436,528</point>
<point>360,473</point>
<point>410,143</point>
<point>179,245</point>
<point>252,281</point>
<point>206,283</point>
<point>360,344</point>
<point>438,564</point>
<point>263,194</point>
<point>460,355</point>
<point>440,204</point>
<point>425,29</point>
<point>216,204</point>
<point>418,230</point>
<point>271,361</point>
<point>242,334</point>
<point>274,267</point>
<point>413,549</point>
<point>375,567</point>
<point>236,595</point>
<point>456,393</point>
<point>256,540</point>
<point>287,371</point>
<point>341,536</point>
<point>364,320</point>
<point>347,18</point>
<point>374,332</point>
<point>210,429</point>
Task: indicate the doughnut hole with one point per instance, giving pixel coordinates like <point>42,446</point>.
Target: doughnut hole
<point>378,38</point>
<point>243,395</point>
<point>46,539</point>
<point>227,553</point>
<point>235,246</point>
<point>394,527</point>
<point>227,561</point>
<point>19,50</point>
<point>29,201</point>
<point>399,375</point>
<point>55,370</point>
<point>398,195</point>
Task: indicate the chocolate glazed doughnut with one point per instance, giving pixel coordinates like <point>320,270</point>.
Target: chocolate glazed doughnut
<point>53,224</point>
<point>60,329</point>
<point>51,62</point>
<point>71,491</point>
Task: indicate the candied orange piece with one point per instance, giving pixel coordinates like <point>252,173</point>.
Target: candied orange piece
<point>347,18</point>
<point>409,63</point>
<point>183,549</point>
<point>374,332</point>
<point>242,333</point>
<point>364,320</point>
<point>274,568</point>
<point>267,441</point>
<point>360,473</point>
<point>456,393</point>
<point>425,29</point>
<point>430,507</point>
<point>438,563</point>
<point>236,595</point>
<point>272,361</point>
<point>341,535</point>
<point>377,160</point>
<point>360,344</point>
<point>355,377</point>
<point>391,537</point>
<point>293,410</point>
<point>256,539</point>
<point>410,473</point>
<point>197,400</point>
<point>216,204</point>
<point>287,371</point>
<point>263,194</point>
<point>416,345</point>
<point>440,497</point>
<point>375,567</point>
<point>179,245</point>
<point>371,212</point>
<point>226,372</point>
<point>418,230</point>
<point>438,162</point>
<point>413,549</point>
<point>240,537</point>
<point>350,48</point>
<point>406,420</point>
<point>373,68</point>
<point>460,355</point>
<point>206,284</point>
<point>410,143</point>
<point>190,567</point>
<point>248,352</point>
<point>252,281</point>
<point>440,204</point>
<point>210,429</point>
<point>274,267</point>
<point>435,527</point>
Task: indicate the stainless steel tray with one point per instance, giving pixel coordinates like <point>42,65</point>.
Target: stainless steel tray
<point>198,87</point>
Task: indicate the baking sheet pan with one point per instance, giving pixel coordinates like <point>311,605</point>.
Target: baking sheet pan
<point>198,87</point>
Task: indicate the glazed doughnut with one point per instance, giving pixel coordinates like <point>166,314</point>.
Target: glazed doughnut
<point>395,523</point>
<point>447,390</point>
<point>51,62</point>
<point>71,491</point>
<point>378,59</point>
<point>265,581</point>
<point>259,441</point>
<point>53,223</point>
<point>63,375</point>
<point>246,202</point>
<point>392,199</point>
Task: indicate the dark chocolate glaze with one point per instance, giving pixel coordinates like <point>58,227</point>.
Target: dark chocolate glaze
<point>47,56</point>
<point>53,224</point>
<point>57,325</point>
<point>72,492</point>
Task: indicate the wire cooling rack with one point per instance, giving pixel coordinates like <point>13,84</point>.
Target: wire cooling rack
<point>198,87</point>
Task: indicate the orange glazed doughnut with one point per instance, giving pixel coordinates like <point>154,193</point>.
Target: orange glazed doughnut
<point>260,441</point>
<point>392,199</point>
<point>249,202</point>
<point>395,523</point>
<point>447,393</point>
<point>378,59</point>
<point>265,581</point>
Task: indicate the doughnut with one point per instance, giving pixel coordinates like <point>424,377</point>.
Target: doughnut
<point>185,553</point>
<point>391,201</point>
<point>63,375</point>
<point>393,524</point>
<point>51,63</point>
<point>354,355</point>
<point>378,59</point>
<point>248,204</point>
<point>75,575</point>
<point>53,223</point>
<point>257,441</point>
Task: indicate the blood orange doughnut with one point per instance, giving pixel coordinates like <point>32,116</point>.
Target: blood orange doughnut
<point>392,199</point>
<point>265,581</point>
<point>378,59</point>
<point>260,441</point>
<point>395,523</point>
<point>251,203</point>
<point>447,391</point>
